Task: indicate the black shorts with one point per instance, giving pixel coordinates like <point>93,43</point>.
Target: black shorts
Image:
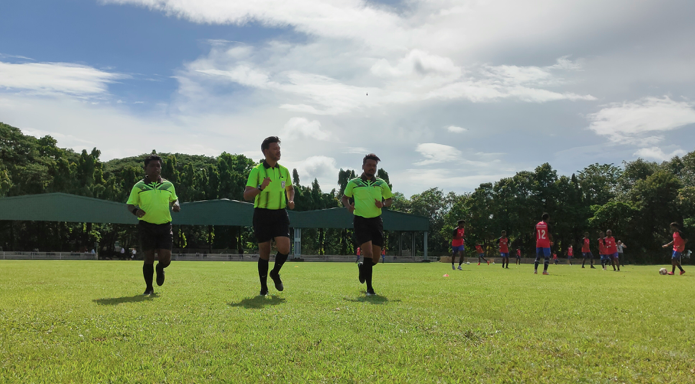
<point>270,223</point>
<point>367,230</point>
<point>156,236</point>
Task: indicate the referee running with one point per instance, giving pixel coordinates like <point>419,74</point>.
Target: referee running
<point>370,194</point>
<point>150,200</point>
<point>270,186</point>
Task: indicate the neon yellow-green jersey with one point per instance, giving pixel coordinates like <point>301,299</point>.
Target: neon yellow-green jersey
<point>365,191</point>
<point>274,196</point>
<point>154,198</point>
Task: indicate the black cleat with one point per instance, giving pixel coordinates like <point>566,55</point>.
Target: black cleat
<point>362,279</point>
<point>160,275</point>
<point>148,291</point>
<point>371,293</point>
<point>593,267</point>
<point>276,279</point>
<point>264,292</point>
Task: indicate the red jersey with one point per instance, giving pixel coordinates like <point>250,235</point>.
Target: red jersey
<point>570,251</point>
<point>678,242</point>
<point>586,246</point>
<point>601,247</point>
<point>542,235</point>
<point>504,247</point>
<point>611,248</point>
<point>555,256</point>
<point>518,252</point>
<point>479,249</point>
<point>458,237</point>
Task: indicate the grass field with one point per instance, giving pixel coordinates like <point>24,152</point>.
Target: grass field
<point>84,321</point>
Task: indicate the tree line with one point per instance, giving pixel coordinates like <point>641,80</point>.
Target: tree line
<point>637,200</point>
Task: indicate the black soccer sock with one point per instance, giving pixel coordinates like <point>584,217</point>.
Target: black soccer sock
<point>263,273</point>
<point>673,269</point>
<point>545,265</point>
<point>279,261</point>
<point>583,262</point>
<point>367,269</point>
<point>679,267</point>
<point>535,264</point>
<point>163,264</point>
<point>148,273</point>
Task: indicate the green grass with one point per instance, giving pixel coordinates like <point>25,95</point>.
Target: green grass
<point>84,321</point>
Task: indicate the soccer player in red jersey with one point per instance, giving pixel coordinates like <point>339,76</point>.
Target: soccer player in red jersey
<point>586,250</point>
<point>503,243</point>
<point>518,256</point>
<point>543,239</point>
<point>457,244</point>
<point>602,250</point>
<point>612,249</point>
<point>678,247</point>
<point>570,254</point>
<point>481,253</point>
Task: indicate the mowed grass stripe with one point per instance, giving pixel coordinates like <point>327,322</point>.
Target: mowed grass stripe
<point>85,321</point>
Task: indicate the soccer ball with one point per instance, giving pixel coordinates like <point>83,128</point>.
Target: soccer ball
<point>468,263</point>
<point>663,271</point>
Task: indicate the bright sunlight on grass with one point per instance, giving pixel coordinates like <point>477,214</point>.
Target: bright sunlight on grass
<point>85,321</point>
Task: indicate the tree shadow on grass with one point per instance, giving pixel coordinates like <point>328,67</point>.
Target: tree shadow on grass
<point>258,302</point>
<point>378,299</point>
<point>125,299</point>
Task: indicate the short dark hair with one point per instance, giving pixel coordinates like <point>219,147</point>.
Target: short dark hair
<point>267,141</point>
<point>370,156</point>
<point>545,216</point>
<point>150,158</point>
<point>462,221</point>
<point>675,224</point>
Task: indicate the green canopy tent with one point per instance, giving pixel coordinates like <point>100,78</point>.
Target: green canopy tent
<point>72,208</point>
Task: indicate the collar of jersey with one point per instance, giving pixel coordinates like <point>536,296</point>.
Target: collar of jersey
<point>266,165</point>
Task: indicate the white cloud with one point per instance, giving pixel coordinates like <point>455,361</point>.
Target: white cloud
<point>322,168</point>
<point>357,150</point>
<point>302,128</point>
<point>437,153</point>
<point>55,78</point>
<point>455,129</point>
<point>636,122</point>
<point>658,154</point>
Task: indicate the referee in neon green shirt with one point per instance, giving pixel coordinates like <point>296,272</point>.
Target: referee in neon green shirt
<point>270,187</point>
<point>150,200</point>
<point>370,194</point>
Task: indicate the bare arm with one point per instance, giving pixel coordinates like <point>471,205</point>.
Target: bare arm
<point>175,206</point>
<point>346,203</point>
<point>290,197</point>
<point>135,210</point>
<point>250,193</point>
<point>388,202</point>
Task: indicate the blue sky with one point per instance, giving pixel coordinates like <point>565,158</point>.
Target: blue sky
<point>448,93</point>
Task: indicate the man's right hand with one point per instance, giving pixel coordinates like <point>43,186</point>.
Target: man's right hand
<point>265,183</point>
<point>140,213</point>
<point>351,208</point>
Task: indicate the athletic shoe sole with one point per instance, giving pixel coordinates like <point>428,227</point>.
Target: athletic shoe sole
<point>361,275</point>
<point>277,281</point>
<point>148,292</point>
<point>371,293</point>
<point>160,275</point>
